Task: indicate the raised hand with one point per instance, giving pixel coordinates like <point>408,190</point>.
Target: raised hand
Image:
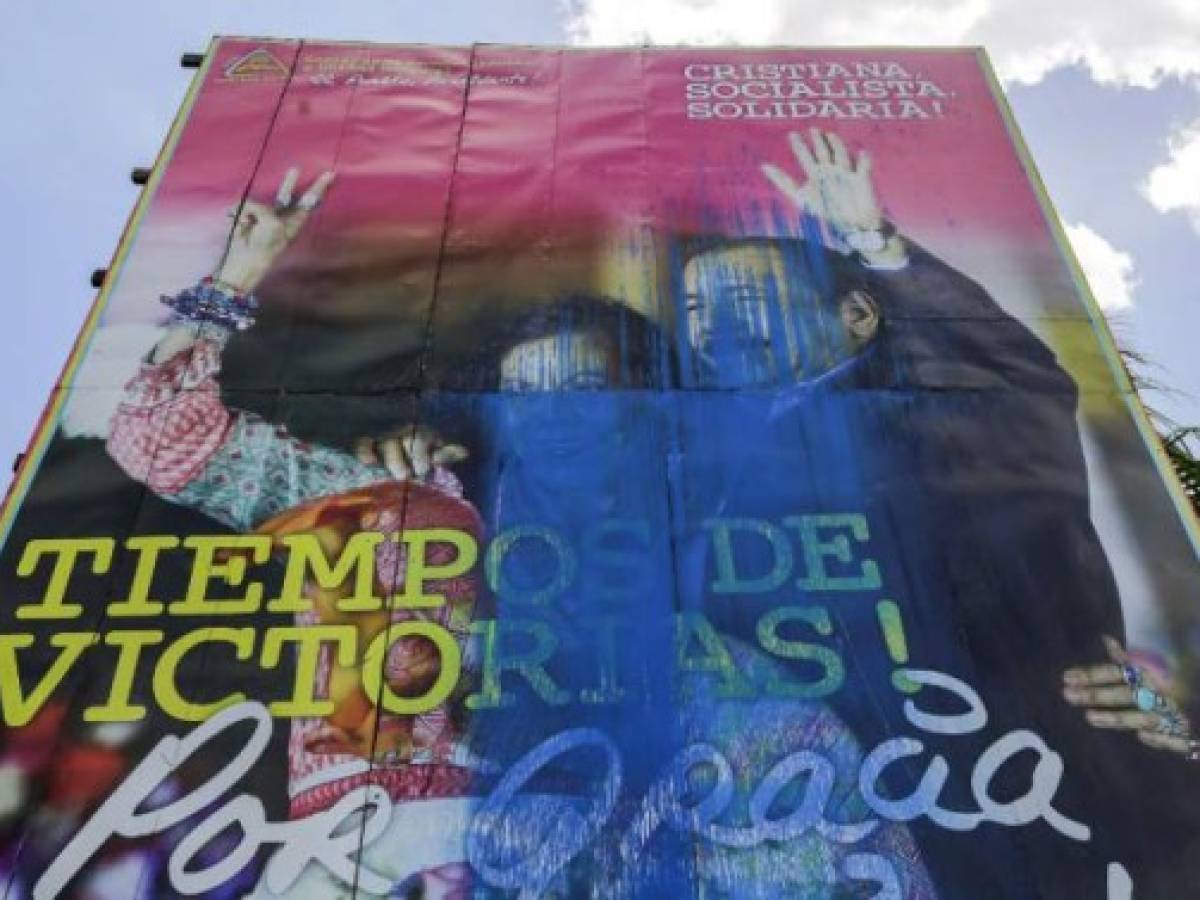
<point>838,191</point>
<point>261,232</point>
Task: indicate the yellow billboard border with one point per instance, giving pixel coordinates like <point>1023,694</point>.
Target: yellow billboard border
<point>48,422</point>
<point>1183,504</point>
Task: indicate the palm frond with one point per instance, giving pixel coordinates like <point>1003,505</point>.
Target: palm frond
<point>1181,443</point>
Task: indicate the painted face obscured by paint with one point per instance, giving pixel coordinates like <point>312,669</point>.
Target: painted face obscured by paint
<point>757,317</point>
<point>557,407</point>
<point>569,361</point>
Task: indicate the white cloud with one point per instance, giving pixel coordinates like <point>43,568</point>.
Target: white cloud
<point>1118,41</point>
<point>1174,186</point>
<point>1109,271</point>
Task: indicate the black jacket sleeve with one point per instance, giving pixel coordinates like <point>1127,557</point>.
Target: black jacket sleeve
<point>942,330</point>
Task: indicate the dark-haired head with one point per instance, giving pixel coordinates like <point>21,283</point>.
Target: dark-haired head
<point>769,311</point>
<point>576,342</point>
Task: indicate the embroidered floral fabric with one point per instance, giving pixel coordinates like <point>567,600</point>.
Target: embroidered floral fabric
<point>173,432</point>
<point>171,420</point>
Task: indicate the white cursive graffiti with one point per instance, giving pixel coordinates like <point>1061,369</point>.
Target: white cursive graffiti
<point>501,827</point>
<point>302,841</point>
<point>664,804</point>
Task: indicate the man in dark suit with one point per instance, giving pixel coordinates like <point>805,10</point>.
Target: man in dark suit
<point>880,383</point>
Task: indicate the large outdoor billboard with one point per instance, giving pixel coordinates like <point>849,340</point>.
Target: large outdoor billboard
<point>520,472</point>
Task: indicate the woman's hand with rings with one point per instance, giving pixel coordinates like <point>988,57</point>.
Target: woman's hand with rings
<point>1124,696</point>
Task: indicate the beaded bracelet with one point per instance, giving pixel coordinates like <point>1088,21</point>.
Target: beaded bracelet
<point>205,302</point>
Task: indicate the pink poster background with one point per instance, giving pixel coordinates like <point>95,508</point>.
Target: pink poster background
<point>471,177</point>
<point>560,146</point>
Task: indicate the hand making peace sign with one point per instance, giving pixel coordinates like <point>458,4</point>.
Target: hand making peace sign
<point>261,232</point>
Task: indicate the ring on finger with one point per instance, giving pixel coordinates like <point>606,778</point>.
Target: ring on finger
<point>1148,700</point>
<point>1131,675</point>
<point>1173,724</point>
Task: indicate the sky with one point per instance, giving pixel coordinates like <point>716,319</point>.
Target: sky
<point>1107,94</point>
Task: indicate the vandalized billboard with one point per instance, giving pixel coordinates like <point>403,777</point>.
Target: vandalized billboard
<point>528,472</point>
